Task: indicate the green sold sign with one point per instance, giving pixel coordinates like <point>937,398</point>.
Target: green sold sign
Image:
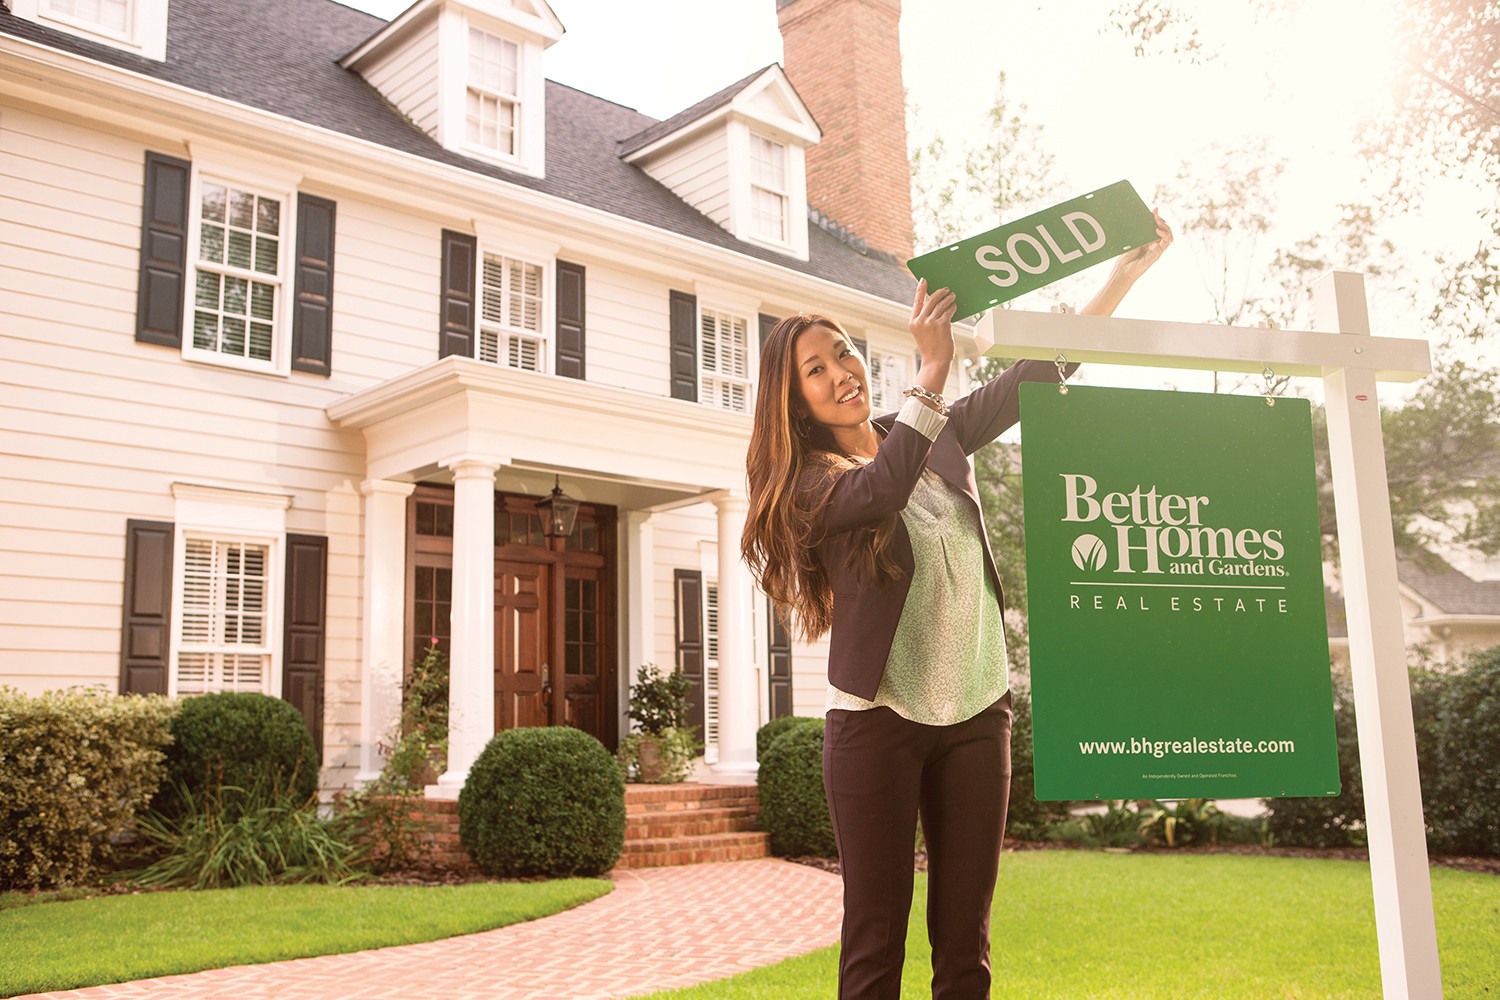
<point>1024,255</point>
<point>1178,631</point>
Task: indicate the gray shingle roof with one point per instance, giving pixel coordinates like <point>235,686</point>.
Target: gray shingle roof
<point>713,102</point>
<point>282,56</point>
<point>1450,590</point>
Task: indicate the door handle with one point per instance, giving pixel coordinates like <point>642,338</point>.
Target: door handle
<point>546,685</point>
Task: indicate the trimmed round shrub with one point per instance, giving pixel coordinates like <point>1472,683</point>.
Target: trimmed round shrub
<point>241,739</point>
<point>793,806</point>
<point>543,801</point>
<point>767,734</point>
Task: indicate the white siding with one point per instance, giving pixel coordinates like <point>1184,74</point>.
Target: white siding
<point>698,172</point>
<point>627,323</point>
<point>408,77</point>
<point>97,427</point>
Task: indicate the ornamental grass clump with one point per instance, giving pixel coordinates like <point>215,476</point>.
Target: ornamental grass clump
<point>793,806</point>
<point>229,837</point>
<point>543,801</point>
<point>241,740</point>
<point>74,769</point>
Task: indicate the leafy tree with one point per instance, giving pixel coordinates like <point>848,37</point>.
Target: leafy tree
<point>1443,122</point>
<point>978,186</point>
<point>1442,453</point>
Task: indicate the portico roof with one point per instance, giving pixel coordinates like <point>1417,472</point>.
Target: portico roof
<point>640,451</point>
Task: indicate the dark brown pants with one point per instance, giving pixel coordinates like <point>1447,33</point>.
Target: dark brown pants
<point>879,771</point>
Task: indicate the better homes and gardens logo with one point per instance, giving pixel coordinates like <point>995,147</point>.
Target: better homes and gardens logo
<point>1152,539</point>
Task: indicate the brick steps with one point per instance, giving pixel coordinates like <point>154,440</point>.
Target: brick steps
<point>683,824</point>
<point>689,824</point>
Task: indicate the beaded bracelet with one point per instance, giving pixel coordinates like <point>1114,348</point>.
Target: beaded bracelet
<point>934,398</point>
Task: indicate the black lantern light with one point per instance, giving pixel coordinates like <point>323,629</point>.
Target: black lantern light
<point>558,512</point>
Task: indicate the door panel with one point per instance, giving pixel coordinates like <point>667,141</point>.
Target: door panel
<point>522,597</point>
<point>583,652</point>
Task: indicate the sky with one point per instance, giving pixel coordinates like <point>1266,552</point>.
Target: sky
<point>1304,80</point>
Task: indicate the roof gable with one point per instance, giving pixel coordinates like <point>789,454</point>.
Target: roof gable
<point>533,19</point>
<point>765,97</point>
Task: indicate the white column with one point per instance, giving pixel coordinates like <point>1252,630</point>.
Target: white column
<point>739,703</point>
<point>383,616</point>
<point>471,666</point>
<point>640,588</point>
<point>1404,923</point>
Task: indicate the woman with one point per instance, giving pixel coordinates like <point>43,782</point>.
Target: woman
<point>871,529</point>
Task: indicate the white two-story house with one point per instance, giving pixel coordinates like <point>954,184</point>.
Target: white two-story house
<point>312,324</point>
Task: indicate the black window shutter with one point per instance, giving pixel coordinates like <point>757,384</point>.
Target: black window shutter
<point>312,316</point>
<point>460,270</point>
<point>164,231</point>
<point>306,613</point>
<point>780,671</point>
<point>767,324</point>
<point>687,586</point>
<point>146,626</point>
<point>863,347</point>
<point>684,323</point>
<point>570,332</point>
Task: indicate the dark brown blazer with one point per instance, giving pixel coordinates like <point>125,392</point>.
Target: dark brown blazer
<point>865,613</point>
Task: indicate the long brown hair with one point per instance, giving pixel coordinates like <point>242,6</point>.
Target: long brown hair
<point>792,465</point>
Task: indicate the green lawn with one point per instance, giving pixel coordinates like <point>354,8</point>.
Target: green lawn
<point>110,939</point>
<point>1070,925</point>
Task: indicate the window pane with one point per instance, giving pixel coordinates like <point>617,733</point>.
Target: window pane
<point>241,209</point>
<point>260,342</point>
<point>266,251</point>
<point>205,331</point>
<point>214,198</point>
<point>268,216</point>
<point>236,290</point>
<point>233,336</point>
<point>208,290</point>
<point>211,243</point>
<point>238,248</point>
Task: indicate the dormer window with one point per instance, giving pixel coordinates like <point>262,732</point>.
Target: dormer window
<point>768,188</point>
<point>468,73</point>
<point>111,15</point>
<point>494,92</point>
<point>135,26</point>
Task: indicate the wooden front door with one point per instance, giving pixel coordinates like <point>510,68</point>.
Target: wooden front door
<point>554,609</point>
<point>523,690</point>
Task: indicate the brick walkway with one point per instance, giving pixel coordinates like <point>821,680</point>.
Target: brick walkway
<point>660,928</point>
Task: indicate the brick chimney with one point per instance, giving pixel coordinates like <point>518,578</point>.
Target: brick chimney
<point>844,58</point>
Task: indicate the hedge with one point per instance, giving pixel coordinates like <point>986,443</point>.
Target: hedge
<point>75,767</point>
<point>793,806</point>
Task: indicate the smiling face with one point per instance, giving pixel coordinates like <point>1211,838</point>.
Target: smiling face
<point>831,382</point>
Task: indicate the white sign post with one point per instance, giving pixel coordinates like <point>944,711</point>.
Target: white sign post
<point>1350,362</point>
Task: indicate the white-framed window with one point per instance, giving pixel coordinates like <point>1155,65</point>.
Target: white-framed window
<point>889,375</point>
<point>239,283</point>
<point>711,664</point>
<point>492,109</point>
<point>768,189</point>
<point>512,312</point>
<point>108,15</point>
<point>224,626</point>
<point>135,26</point>
<point>724,360</point>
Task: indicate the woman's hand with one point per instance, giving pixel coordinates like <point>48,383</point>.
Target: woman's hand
<point>1129,266</point>
<point>931,326</point>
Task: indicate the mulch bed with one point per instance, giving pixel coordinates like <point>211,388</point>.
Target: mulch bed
<point>1487,866</point>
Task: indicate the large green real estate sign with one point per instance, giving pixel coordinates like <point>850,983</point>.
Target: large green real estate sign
<point>1024,255</point>
<point>1178,631</point>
